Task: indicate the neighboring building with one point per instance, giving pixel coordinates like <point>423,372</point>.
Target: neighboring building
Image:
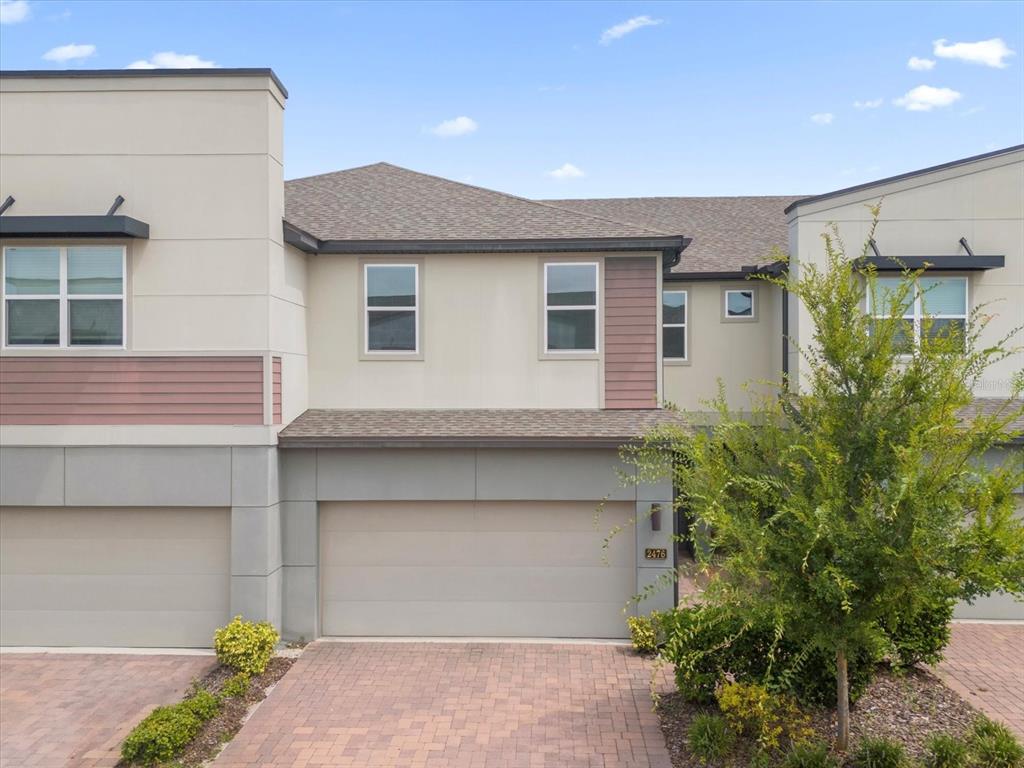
<point>370,402</point>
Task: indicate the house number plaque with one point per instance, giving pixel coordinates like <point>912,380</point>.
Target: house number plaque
<point>655,554</point>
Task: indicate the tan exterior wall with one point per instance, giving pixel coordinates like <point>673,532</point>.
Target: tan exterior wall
<point>480,336</point>
<point>926,216</point>
<point>200,159</point>
<point>736,352</point>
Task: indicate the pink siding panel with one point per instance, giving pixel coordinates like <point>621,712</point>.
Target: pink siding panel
<point>276,386</point>
<point>133,390</point>
<point>631,333</point>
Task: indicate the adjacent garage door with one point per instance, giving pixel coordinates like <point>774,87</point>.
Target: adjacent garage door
<point>113,576</point>
<point>502,569</point>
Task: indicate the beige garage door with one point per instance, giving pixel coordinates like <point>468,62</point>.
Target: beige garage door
<point>114,576</point>
<point>501,569</point>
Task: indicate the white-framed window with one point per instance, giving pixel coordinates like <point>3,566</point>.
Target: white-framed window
<point>674,309</point>
<point>938,306</point>
<point>570,307</point>
<point>391,306</point>
<point>740,304</point>
<point>64,296</point>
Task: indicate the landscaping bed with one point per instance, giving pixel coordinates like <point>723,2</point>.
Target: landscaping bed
<point>907,706</point>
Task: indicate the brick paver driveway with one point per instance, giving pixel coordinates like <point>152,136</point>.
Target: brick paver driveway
<point>985,664</point>
<point>60,710</point>
<point>456,705</point>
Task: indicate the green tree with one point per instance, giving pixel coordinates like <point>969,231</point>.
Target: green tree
<point>834,507</point>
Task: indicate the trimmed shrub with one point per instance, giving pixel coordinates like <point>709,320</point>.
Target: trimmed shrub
<point>246,646</point>
<point>707,644</point>
<point>945,751</point>
<point>772,719</point>
<point>809,755</point>
<point>166,730</point>
<point>879,753</point>
<point>710,737</point>
<point>236,686</point>
<point>642,633</point>
<point>992,745</point>
<point>920,636</point>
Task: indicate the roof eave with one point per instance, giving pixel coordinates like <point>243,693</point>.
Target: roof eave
<point>309,243</point>
<point>285,441</point>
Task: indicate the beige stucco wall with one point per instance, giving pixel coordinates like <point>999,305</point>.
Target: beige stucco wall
<point>200,159</point>
<point>480,336</point>
<point>739,353</point>
<point>926,216</point>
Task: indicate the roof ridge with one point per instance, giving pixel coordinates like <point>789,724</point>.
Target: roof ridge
<point>518,198</point>
<point>341,170</point>
<point>557,200</point>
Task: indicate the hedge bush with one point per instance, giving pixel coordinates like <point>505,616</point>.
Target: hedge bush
<point>166,730</point>
<point>919,636</point>
<point>236,685</point>
<point>246,646</point>
<point>707,644</point>
<point>642,633</point>
<point>773,719</point>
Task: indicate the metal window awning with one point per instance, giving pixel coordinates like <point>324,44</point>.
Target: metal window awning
<point>969,261</point>
<point>73,226</point>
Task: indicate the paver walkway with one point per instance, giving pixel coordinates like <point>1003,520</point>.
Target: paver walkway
<point>60,710</point>
<point>985,664</point>
<point>457,705</point>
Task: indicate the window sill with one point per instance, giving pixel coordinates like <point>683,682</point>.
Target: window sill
<point>570,355</point>
<point>675,362</point>
<point>390,357</point>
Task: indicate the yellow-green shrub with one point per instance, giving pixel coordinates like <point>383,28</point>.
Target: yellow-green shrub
<point>236,685</point>
<point>245,646</point>
<point>772,719</point>
<point>642,633</point>
<point>166,730</point>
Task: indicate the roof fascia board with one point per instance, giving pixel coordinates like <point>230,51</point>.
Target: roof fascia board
<point>450,442</point>
<point>73,226</point>
<point>307,242</point>
<point>13,74</point>
<point>1006,152</point>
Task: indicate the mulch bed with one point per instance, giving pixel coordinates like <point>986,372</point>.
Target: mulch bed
<point>233,710</point>
<point>907,706</point>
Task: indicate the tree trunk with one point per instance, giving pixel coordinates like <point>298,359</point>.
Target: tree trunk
<point>842,703</point>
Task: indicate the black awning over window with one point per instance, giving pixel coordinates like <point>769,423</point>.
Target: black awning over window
<point>957,263</point>
<point>73,226</point>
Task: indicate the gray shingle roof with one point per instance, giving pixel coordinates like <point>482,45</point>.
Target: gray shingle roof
<point>385,202</point>
<point>992,406</point>
<point>468,427</point>
<point>727,232</point>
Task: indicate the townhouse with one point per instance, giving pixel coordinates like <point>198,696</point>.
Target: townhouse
<point>377,402</point>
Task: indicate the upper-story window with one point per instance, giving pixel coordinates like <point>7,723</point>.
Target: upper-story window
<point>570,307</point>
<point>740,304</point>
<point>392,308</point>
<point>64,296</point>
<point>941,301</point>
<point>673,325</point>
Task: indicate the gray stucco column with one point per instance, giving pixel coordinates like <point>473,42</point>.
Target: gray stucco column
<point>300,539</point>
<point>655,572</point>
<point>256,548</point>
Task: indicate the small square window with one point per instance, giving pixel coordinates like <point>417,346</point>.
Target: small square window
<point>740,304</point>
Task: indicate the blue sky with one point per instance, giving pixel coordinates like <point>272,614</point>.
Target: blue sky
<point>588,99</point>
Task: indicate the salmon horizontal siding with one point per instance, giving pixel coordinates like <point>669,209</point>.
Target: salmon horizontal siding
<point>135,390</point>
<point>276,389</point>
<point>631,332</point>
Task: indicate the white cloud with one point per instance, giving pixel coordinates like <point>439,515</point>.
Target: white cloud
<point>625,27</point>
<point>991,53</point>
<point>868,104</point>
<point>925,98</point>
<point>70,52</point>
<point>920,65</point>
<point>13,11</point>
<point>172,60</point>
<point>822,118</point>
<point>459,126</point>
<point>567,171</point>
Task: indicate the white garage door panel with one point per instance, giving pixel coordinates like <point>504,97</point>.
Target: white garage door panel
<point>484,568</point>
<point>113,577</point>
